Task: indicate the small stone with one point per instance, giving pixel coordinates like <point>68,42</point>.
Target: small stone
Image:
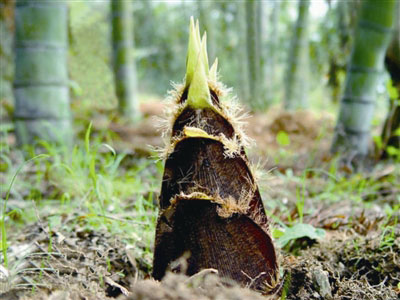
<point>321,283</point>
<point>341,268</point>
<point>316,295</point>
<point>59,295</point>
<point>4,280</point>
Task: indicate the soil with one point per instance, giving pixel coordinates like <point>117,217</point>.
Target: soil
<point>357,259</point>
<point>94,265</point>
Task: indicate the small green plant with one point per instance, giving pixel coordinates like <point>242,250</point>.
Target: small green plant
<point>283,138</point>
<point>297,229</point>
<point>388,236</point>
<point>382,143</point>
<point>4,244</point>
<point>393,151</point>
<point>286,286</point>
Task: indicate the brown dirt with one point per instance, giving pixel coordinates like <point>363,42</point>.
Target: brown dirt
<point>357,267</point>
<point>85,264</point>
<point>205,286</point>
<point>304,128</point>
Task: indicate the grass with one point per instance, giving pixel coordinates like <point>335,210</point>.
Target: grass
<point>4,243</point>
<point>100,189</point>
<point>314,190</point>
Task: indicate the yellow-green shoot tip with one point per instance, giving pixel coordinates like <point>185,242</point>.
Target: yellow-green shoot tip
<point>213,74</point>
<point>204,52</point>
<point>193,52</point>
<point>199,93</point>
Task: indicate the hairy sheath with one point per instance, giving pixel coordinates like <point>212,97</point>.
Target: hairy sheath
<point>211,212</point>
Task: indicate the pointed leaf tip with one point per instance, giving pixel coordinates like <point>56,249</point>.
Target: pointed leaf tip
<point>199,93</point>
<point>214,70</point>
<point>193,52</point>
<point>204,52</point>
<point>197,68</point>
<point>198,31</point>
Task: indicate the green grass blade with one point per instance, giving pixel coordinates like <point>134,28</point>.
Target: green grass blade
<point>3,217</point>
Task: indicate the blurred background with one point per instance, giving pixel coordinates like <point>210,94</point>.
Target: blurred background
<point>160,34</point>
<point>276,55</point>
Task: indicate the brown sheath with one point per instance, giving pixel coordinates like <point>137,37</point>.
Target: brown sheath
<point>211,212</point>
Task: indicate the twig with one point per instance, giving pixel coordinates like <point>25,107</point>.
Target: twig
<point>202,273</point>
<point>122,220</point>
<point>253,280</point>
<point>114,284</point>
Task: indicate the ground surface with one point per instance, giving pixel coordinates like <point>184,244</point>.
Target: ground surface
<point>357,258</point>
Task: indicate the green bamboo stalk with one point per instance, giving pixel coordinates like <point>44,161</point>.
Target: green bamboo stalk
<point>392,62</point>
<point>265,87</point>
<point>123,59</point>
<point>337,58</point>
<point>271,56</point>
<point>243,76</point>
<point>372,36</point>
<point>260,34</point>
<point>6,51</point>
<point>297,70</point>
<point>253,55</point>
<point>41,77</point>
<point>274,20</point>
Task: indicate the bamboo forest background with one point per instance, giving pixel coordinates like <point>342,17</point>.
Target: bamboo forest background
<point>160,37</point>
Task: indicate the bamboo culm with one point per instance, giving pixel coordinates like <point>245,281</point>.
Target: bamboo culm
<point>41,77</point>
<point>372,36</point>
<point>123,59</point>
<point>297,69</point>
